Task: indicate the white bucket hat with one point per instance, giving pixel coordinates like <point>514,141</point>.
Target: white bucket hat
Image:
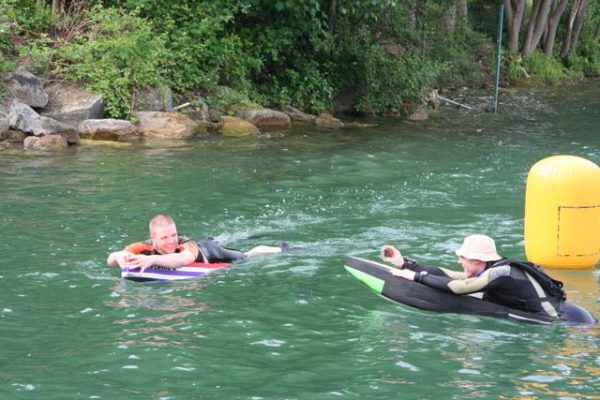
<point>478,247</point>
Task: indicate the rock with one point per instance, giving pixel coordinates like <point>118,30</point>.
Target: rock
<point>159,98</point>
<point>215,114</point>
<point>15,136</point>
<point>507,91</point>
<point>45,143</point>
<point>432,98</point>
<point>358,125</point>
<point>345,103</point>
<point>5,146</point>
<point>167,125</point>
<point>24,118</point>
<point>265,119</point>
<point>26,88</point>
<point>299,116</point>
<point>71,105</point>
<point>233,126</point>
<point>199,112</point>
<point>107,143</point>
<point>105,129</point>
<point>4,126</point>
<point>420,114</point>
<point>327,120</point>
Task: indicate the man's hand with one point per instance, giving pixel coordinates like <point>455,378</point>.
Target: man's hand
<point>118,259</point>
<point>392,255</point>
<point>140,261</point>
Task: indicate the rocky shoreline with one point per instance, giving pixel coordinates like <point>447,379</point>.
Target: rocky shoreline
<point>52,117</point>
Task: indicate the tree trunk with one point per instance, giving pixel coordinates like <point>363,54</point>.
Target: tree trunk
<point>566,46</point>
<point>55,8</point>
<point>449,19</point>
<point>579,20</point>
<point>332,15</point>
<point>576,20</point>
<point>597,37</point>
<point>514,10</point>
<point>462,10</point>
<point>557,12</point>
<point>537,25</point>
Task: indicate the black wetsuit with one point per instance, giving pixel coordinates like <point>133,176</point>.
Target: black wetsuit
<point>212,252</point>
<point>501,282</point>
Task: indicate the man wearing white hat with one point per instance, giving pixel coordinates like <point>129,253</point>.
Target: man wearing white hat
<point>514,284</point>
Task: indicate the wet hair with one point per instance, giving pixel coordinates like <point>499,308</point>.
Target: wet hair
<point>160,220</point>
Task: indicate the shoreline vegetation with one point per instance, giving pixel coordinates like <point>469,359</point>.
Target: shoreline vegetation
<point>122,69</point>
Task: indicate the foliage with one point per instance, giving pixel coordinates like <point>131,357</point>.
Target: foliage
<point>386,53</point>
<point>586,60</point>
<point>22,32</point>
<point>586,57</point>
<point>119,52</point>
<point>292,42</point>
<point>543,66</point>
<point>203,52</point>
<point>36,54</point>
<point>394,84</point>
<point>385,63</point>
<point>27,15</point>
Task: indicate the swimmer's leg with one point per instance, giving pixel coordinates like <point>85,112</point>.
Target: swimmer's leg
<point>262,250</point>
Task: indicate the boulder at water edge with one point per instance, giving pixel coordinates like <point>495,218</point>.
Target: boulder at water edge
<point>24,118</point>
<point>299,116</point>
<point>233,126</point>
<point>71,105</point>
<point>45,143</point>
<point>106,129</point>
<point>420,114</point>
<point>158,98</point>
<point>25,88</point>
<point>4,125</point>
<point>167,125</point>
<point>265,119</point>
<point>326,120</point>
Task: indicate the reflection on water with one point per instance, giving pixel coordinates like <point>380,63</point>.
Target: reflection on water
<point>582,287</point>
<point>172,315</point>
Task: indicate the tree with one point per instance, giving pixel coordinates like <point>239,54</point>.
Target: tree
<point>536,25</point>
<point>56,5</point>
<point>557,11</point>
<point>514,10</point>
<point>461,9</point>
<point>576,19</point>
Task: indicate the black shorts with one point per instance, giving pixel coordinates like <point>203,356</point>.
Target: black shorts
<point>215,253</point>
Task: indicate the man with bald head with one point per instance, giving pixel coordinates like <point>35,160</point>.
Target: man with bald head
<point>167,249</point>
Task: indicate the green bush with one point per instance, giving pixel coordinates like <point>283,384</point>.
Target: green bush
<point>305,87</point>
<point>28,23</point>
<point>543,66</point>
<point>36,54</point>
<point>27,15</point>
<point>118,53</point>
<point>395,84</point>
<point>204,50</point>
<point>588,52</point>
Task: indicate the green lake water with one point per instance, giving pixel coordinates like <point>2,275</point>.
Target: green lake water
<point>295,325</point>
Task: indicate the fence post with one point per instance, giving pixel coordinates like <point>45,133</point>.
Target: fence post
<point>498,54</point>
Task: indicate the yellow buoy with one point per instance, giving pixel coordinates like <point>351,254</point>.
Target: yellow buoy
<point>562,213</point>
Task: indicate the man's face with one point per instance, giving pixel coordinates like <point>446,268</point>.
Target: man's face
<point>164,238</point>
<point>471,267</point>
